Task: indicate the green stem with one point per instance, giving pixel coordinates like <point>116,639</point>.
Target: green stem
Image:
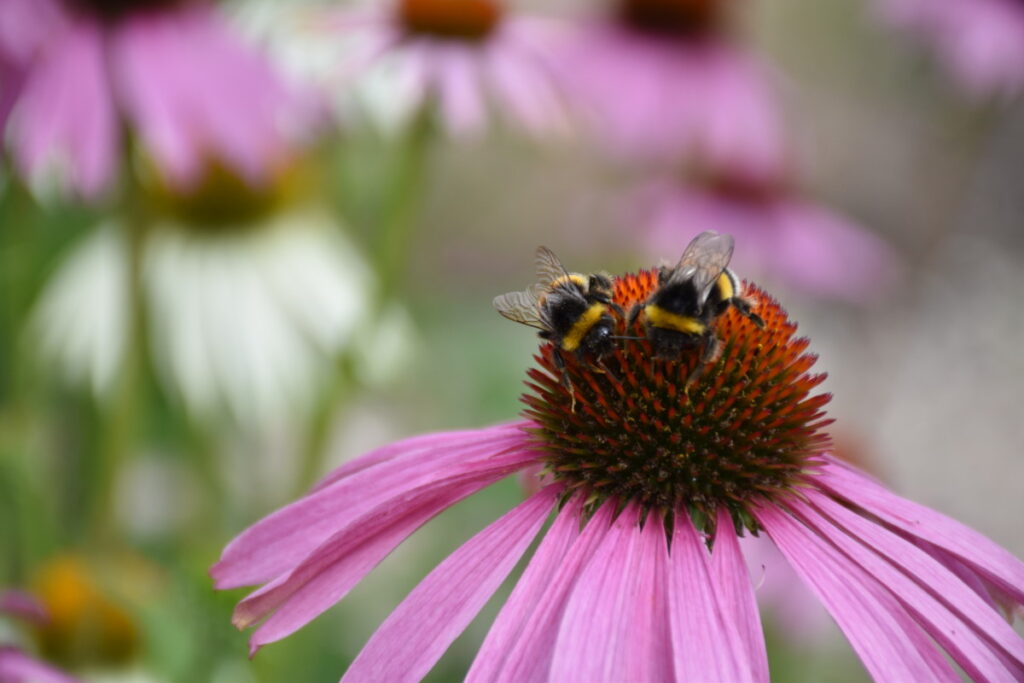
<point>121,417</point>
<point>398,216</point>
<point>397,222</point>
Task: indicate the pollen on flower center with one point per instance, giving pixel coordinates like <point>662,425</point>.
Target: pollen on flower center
<point>745,430</point>
<point>671,17</point>
<point>455,19</point>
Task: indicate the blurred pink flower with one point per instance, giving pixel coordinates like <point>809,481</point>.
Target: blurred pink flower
<point>780,237</point>
<point>18,667</point>
<point>15,665</point>
<point>623,586</point>
<point>470,59</point>
<point>662,89</point>
<point>173,71</point>
<point>22,605</point>
<point>980,41</point>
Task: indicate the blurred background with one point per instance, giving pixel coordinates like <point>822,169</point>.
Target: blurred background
<point>244,242</point>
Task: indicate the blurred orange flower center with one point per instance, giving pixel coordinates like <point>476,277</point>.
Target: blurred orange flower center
<point>456,19</point>
<point>115,9</point>
<point>672,17</point>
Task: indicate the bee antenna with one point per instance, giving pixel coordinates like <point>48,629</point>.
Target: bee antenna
<point>619,337</point>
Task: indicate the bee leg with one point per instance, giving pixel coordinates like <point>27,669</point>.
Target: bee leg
<point>712,352</point>
<point>617,308</point>
<point>743,306</point>
<point>634,313</point>
<point>566,382</point>
<point>602,368</point>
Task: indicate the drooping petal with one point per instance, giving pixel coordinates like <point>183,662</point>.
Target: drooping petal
<point>529,655</point>
<point>969,629</point>
<point>708,643</point>
<point>276,543</point>
<point>329,573</point>
<point>735,594</point>
<point>413,638</point>
<point>608,630</point>
<point>888,641</point>
<point>981,554</point>
<point>64,121</point>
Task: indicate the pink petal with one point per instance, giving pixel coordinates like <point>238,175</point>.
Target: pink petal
<point>459,91</point>
<point>421,443</point>
<point>529,655</point>
<point>185,78</point>
<point>735,594</point>
<point>926,588</point>
<point>65,114</point>
<point>707,641</point>
<point>523,90</point>
<point>328,573</point>
<point>17,667</point>
<point>26,26</point>
<point>413,638</point>
<point>609,629</point>
<point>24,606</point>
<point>274,544</point>
<point>888,641</point>
<point>737,126</point>
<point>649,645</point>
<point>988,559</point>
<point>518,610</point>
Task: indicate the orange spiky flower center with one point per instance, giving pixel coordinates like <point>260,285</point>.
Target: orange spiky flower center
<point>452,19</point>
<point>746,430</point>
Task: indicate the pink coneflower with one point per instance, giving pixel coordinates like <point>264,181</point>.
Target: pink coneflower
<point>661,79</point>
<point>780,236</point>
<point>171,69</point>
<point>468,58</point>
<point>651,480</point>
<point>980,41</point>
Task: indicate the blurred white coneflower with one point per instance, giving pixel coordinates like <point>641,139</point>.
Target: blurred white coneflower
<point>250,295</point>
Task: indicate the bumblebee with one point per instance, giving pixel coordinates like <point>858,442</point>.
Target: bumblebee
<point>571,310</point>
<point>690,295</point>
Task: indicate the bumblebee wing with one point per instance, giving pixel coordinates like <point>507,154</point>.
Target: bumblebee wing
<point>549,268</point>
<point>520,307</point>
<point>703,261</point>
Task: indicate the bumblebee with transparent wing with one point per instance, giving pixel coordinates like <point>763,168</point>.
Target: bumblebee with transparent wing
<point>690,295</point>
<point>571,310</point>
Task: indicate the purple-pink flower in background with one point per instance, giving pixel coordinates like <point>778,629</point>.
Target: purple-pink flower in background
<point>172,70</point>
<point>661,79</point>
<point>15,665</point>
<point>780,236</point>
<point>981,42</point>
<point>472,60</point>
<point>652,473</point>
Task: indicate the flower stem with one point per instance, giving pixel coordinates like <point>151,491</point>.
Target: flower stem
<point>121,418</point>
<point>398,216</point>
<point>397,219</point>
